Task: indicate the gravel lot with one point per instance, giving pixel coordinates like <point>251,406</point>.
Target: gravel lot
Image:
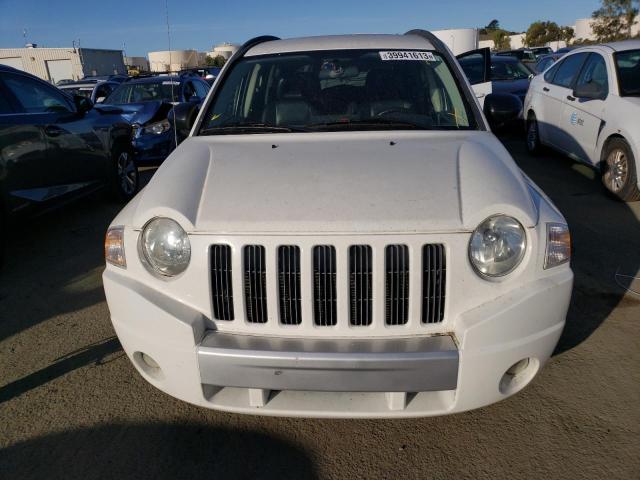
<point>72,406</point>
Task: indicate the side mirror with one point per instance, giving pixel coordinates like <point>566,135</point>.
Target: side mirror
<point>83,104</point>
<point>590,91</point>
<point>182,117</point>
<point>501,108</point>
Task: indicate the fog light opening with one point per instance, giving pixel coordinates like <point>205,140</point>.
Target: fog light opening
<point>148,365</point>
<point>518,375</point>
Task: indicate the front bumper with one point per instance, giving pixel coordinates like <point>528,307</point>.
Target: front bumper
<point>400,377</point>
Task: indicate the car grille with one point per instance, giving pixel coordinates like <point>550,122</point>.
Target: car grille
<point>325,282</point>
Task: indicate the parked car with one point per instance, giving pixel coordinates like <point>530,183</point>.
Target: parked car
<point>540,51</point>
<point>54,147</point>
<point>525,55</point>
<point>588,106</point>
<point>146,102</point>
<point>341,235</point>
<point>507,74</point>
<point>94,90</point>
<point>546,61</point>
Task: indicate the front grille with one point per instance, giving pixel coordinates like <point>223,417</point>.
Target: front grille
<point>314,285</point>
<point>255,283</point>
<point>360,281</point>
<point>324,286</point>
<point>221,288</point>
<point>396,284</point>
<point>289,284</point>
<point>434,271</point>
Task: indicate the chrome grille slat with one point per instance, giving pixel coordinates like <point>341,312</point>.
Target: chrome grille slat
<point>433,283</point>
<point>255,283</point>
<point>289,284</point>
<point>222,290</point>
<point>324,285</point>
<point>360,284</point>
<point>396,284</point>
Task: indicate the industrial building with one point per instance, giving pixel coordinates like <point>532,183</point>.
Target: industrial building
<point>55,64</point>
<point>139,63</point>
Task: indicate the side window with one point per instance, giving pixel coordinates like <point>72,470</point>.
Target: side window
<point>5,106</point>
<point>36,97</point>
<point>201,89</point>
<point>473,67</point>
<point>595,72</point>
<point>188,91</point>
<point>569,69</point>
<point>548,77</point>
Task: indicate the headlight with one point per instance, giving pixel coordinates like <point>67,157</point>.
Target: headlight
<point>497,246</point>
<point>156,128</point>
<point>166,247</point>
<point>558,245</point>
<point>114,247</point>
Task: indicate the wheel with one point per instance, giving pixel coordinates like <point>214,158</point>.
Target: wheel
<point>124,175</point>
<point>533,135</point>
<point>619,174</point>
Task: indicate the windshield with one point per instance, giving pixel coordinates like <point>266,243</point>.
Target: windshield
<point>628,64</point>
<point>509,71</point>
<point>83,91</point>
<point>145,92</point>
<point>338,90</point>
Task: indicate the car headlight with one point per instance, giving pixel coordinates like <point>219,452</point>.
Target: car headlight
<point>166,247</point>
<point>558,245</point>
<point>497,246</point>
<point>156,128</point>
<point>114,247</point>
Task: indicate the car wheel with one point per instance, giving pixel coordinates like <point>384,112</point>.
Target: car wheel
<point>619,173</point>
<point>533,135</point>
<point>124,175</point>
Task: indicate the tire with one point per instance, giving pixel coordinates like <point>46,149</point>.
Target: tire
<point>533,135</point>
<point>124,175</point>
<point>619,174</point>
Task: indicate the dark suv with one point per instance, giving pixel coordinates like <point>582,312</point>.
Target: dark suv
<point>146,103</point>
<point>55,146</point>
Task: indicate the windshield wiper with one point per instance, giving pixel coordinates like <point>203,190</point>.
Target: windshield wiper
<point>249,128</point>
<point>370,122</point>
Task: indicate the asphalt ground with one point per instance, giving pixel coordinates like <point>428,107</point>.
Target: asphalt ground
<point>72,406</point>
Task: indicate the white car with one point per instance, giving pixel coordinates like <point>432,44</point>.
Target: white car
<point>341,235</point>
<point>587,105</point>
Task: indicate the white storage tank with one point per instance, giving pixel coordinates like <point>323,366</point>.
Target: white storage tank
<point>459,40</point>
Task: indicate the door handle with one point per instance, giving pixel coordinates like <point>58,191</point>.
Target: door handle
<point>53,131</point>
<point>570,98</point>
<point>545,89</point>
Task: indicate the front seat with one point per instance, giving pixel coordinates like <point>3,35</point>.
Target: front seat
<point>292,106</point>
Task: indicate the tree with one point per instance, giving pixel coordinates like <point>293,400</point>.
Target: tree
<point>540,33</point>
<point>614,19</point>
<point>501,40</point>
<point>493,25</point>
<point>217,61</point>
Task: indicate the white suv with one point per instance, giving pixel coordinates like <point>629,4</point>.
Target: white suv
<point>340,235</point>
<point>587,105</point>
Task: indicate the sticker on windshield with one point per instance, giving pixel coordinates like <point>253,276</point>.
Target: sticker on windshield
<point>170,82</point>
<point>407,55</point>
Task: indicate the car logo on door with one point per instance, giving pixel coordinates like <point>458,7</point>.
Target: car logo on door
<point>574,118</point>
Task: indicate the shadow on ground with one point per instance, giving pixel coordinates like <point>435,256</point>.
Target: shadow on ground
<point>161,451</point>
<point>605,234</point>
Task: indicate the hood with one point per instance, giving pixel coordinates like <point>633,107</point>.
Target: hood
<point>141,113</point>
<point>351,182</point>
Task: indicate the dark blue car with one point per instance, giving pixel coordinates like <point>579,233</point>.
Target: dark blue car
<point>510,75</point>
<point>146,104</point>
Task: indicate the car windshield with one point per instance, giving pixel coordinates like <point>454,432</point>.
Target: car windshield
<point>83,91</point>
<point>145,92</point>
<point>338,90</point>
<point>508,71</point>
<point>628,64</point>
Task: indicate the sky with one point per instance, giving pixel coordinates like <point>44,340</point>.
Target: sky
<point>140,26</point>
